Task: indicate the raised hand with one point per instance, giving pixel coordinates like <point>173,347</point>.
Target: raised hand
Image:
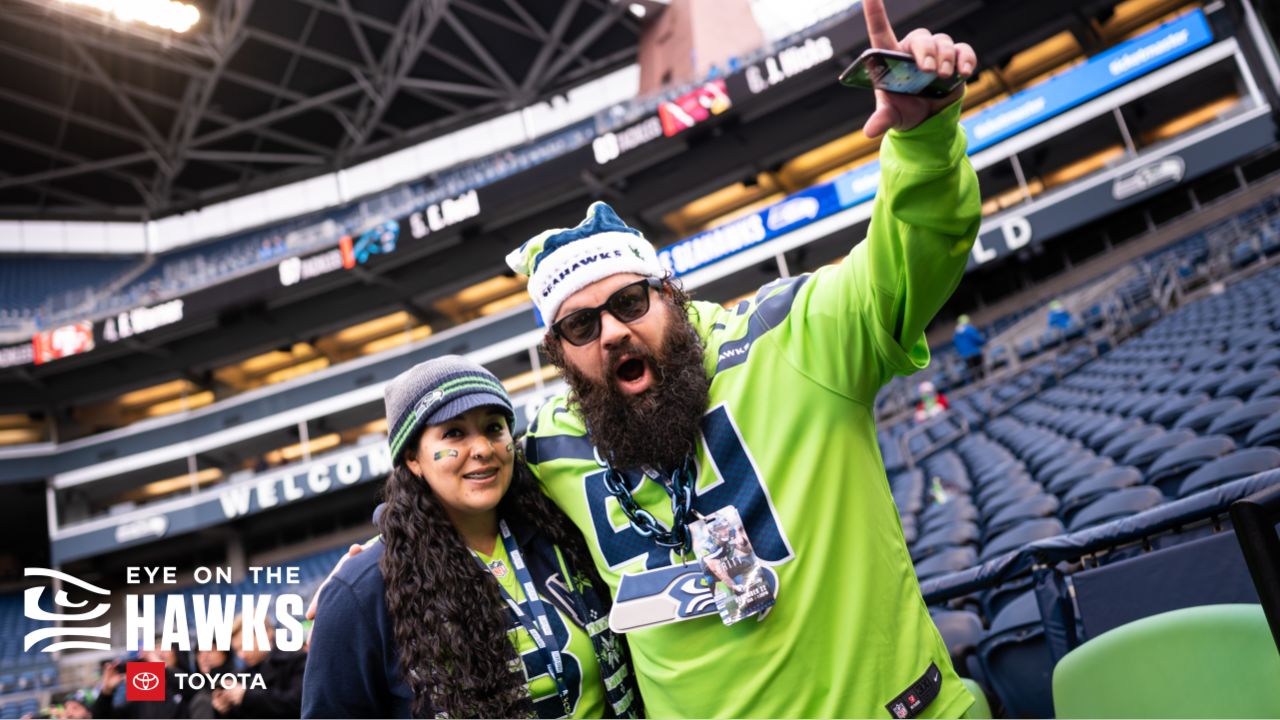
<point>933,53</point>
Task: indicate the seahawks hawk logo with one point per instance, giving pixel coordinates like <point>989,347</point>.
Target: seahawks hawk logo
<point>666,595</point>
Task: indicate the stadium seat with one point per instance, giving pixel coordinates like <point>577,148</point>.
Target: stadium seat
<point>1145,452</point>
<point>1020,535</point>
<point>959,509</point>
<point>961,630</point>
<point>1067,461</point>
<point>1174,408</point>
<point>1234,466</point>
<point>1124,442</point>
<point>910,531</point>
<point>947,561</point>
<point>1037,506</point>
<point>961,533</point>
<point>1090,489</point>
<point>1212,382</point>
<point>996,498</point>
<point>1239,422</point>
<point>1118,504</point>
<point>1244,385</point>
<point>1271,388</point>
<point>1175,464</point>
<point>1199,419</point>
<point>1063,481</point>
<point>1205,661</point>
<point>1016,659</point>
<point>1266,432</point>
<point>1145,407</point>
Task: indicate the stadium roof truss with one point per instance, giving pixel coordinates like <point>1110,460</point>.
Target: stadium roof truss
<point>105,121</point>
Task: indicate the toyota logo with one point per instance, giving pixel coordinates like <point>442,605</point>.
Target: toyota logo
<point>145,681</point>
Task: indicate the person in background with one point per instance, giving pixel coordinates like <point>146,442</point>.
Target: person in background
<point>1059,318</point>
<point>932,403</point>
<point>176,705</point>
<point>281,672</point>
<point>209,662</point>
<point>74,705</point>
<point>969,342</point>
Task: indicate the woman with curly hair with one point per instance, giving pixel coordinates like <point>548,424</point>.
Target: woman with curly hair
<point>479,598</point>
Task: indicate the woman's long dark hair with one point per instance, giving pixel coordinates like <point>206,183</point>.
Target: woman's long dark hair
<point>449,619</point>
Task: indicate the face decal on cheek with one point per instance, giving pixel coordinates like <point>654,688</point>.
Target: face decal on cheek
<point>445,454</point>
<point>510,447</point>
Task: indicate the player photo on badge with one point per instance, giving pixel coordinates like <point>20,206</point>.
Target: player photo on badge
<point>730,563</point>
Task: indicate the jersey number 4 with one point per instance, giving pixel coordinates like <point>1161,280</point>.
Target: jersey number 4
<point>738,483</point>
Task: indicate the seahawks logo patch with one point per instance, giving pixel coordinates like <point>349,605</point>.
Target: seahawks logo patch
<point>667,595</point>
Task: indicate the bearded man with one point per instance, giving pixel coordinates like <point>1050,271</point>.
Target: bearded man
<point>678,410</point>
<point>683,412</point>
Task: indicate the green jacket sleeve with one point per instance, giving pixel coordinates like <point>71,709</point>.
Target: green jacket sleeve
<point>856,324</point>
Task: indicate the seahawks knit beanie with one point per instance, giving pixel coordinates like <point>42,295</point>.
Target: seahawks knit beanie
<point>437,390</point>
<point>562,261</point>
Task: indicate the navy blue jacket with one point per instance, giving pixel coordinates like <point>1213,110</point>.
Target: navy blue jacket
<point>353,665</point>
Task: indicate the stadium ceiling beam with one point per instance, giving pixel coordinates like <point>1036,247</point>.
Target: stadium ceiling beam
<point>228,34</point>
<point>60,155</point>
<point>451,88</point>
<point>317,55</point>
<point>558,29</point>
<point>526,27</point>
<point>101,126</point>
<point>623,18</point>
<point>607,19</point>
<point>301,48</point>
<point>94,166</point>
<point>417,24</point>
<point>304,105</point>
<point>256,157</point>
<point>63,123</point>
<point>461,66</point>
<point>153,136</point>
<point>77,198</point>
<point>366,20</point>
<point>357,33</point>
<point>481,52</point>
<point>155,98</point>
<point>291,68</point>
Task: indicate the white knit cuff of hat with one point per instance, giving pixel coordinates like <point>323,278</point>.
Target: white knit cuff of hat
<point>580,263</point>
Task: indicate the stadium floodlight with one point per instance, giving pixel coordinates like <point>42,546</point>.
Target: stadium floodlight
<point>165,14</point>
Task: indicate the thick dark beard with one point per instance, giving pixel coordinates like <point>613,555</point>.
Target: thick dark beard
<point>660,426</point>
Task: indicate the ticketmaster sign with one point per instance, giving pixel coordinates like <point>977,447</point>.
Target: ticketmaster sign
<point>1105,71</point>
<point>222,503</point>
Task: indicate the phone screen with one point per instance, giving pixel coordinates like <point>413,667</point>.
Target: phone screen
<point>896,74</point>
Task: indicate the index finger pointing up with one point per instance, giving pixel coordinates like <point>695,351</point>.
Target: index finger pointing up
<point>879,31</point>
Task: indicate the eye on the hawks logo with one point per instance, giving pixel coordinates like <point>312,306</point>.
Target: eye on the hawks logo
<point>144,682</point>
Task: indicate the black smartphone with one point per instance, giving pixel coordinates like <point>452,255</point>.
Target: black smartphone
<point>897,72</point>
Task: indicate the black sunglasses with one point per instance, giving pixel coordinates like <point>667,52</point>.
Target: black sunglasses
<point>629,303</point>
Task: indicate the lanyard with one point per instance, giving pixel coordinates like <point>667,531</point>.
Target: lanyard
<point>538,627</point>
